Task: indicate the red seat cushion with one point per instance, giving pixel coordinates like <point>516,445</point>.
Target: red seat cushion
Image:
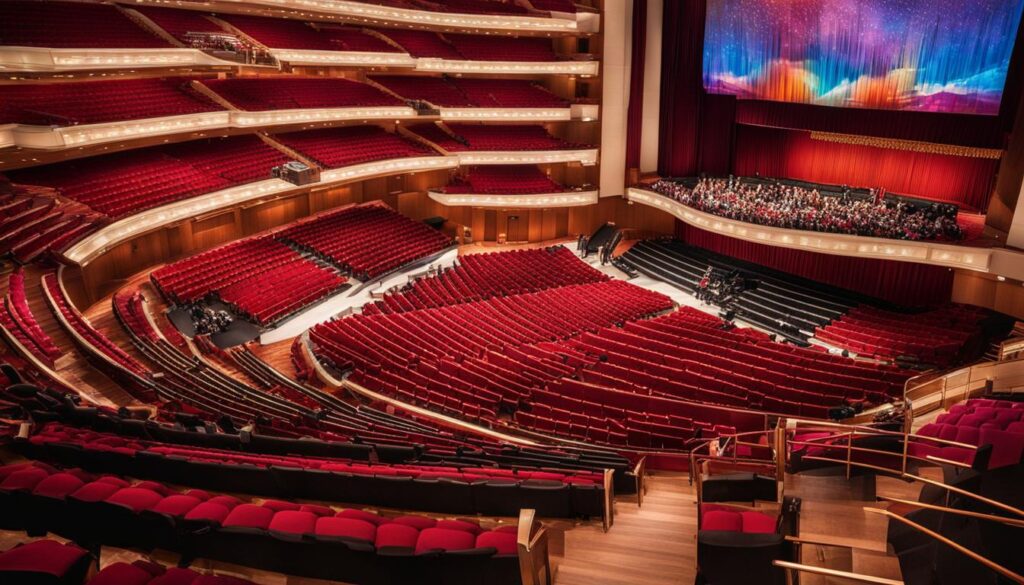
<point>293,522</point>
<point>249,516</point>
<point>177,505</point>
<point>362,515</point>
<point>42,556</point>
<point>280,506</point>
<point>396,535</point>
<point>58,485</point>
<point>442,539</point>
<point>759,523</point>
<point>96,491</point>
<point>417,522</point>
<point>208,512</point>
<point>138,499</point>
<point>347,528</point>
<point>505,542</point>
<point>122,574</point>
<point>722,520</point>
<point>24,479</point>
<point>465,525</point>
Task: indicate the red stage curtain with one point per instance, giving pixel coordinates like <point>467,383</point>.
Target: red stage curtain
<point>682,87</point>
<point>903,283</point>
<point>778,152</point>
<point>962,129</point>
<point>635,111</point>
<point>716,133</point>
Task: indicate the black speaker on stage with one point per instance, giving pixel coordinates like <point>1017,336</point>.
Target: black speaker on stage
<point>296,173</point>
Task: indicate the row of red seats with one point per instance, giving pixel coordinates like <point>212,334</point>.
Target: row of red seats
<point>281,33</point>
<point>91,440</point>
<point>449,92</point>
<point>482,276</point>
<point>33,226</point>
<point>978,422</point>
<point>396,341</point>
<point>59,302</point>
<point>179,23</point>
<point>261,277</point>
<point>94,102</point>
<point>125,183</point>
<point>25,23</point>
<point>505,180</point>
<point>454,137</point>
<point>933,337</point>
<point>334,148</point>
<point>351,239</point>
<point>502,48</point>
<point>49,561</point>
<point>18,319</point>
<point>287,93</point>
<point>112,510</point>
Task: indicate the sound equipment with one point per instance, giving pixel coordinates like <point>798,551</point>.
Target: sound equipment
<point>296,173</point>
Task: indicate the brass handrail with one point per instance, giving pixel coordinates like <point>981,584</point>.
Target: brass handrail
<point>790,567</point>
<point>956,511</point>
<point>959,548</point>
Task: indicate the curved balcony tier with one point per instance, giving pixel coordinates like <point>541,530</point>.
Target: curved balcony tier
<point>1001,261</point>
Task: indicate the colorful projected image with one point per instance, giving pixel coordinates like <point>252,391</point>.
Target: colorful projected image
<point>926,55</point>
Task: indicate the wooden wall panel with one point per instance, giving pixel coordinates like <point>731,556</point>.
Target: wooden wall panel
<point>984,290</point>
<point>217,229</point>
<point>263,217</point>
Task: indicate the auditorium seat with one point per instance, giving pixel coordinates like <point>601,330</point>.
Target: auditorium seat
<point>471,92</point>
<point>45,562</point>
<point>977,422</point>
<point>95,102</point>
<point>334,148</point>
<point>125,183</point>
<point>258,94</point>
<point>72,25</point>
<point>504,180</point>
<point>271,535</point>
<point>455,137</point>
<point>502,48</point>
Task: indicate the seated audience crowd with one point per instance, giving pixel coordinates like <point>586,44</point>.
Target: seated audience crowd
<point>793,207</point>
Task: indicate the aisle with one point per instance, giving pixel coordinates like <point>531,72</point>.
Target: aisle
<point>653,545</point>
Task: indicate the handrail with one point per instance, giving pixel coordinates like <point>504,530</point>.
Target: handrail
<point>532,548</point>
<point>790,567</point>
<point>959,548</point>
<point>956,511</point>
<point>969,494</point>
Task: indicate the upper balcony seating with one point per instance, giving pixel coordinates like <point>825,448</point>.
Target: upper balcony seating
<point>554,5</point>
<point>257,94</point>
<point>484,137</point>
<point>471,93</point>
<point>434,90</point>
<point>32,226</point>
<point>18,320</point>
<point>503,48</point>
<point>96,340</point>
<point>474,6</point>
<point>261,277</point>
<point>978,422</point>
<point>71,25</point>
<point>422,43</point>
<point>933,337</point>
<point>124,183</point>
<point>305,540</point>
<point>179,23</point>
<point>351,239</point>
<point>508,93</point>
<point>280,33</point>
<point>333,148</point>
<point>95,102</point>
<point>505,180</point>
<point>482,276</point>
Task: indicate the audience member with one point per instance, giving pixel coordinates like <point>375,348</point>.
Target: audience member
<point>792,207</point>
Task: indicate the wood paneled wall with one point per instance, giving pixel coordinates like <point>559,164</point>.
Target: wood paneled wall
<point>984,290</point>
